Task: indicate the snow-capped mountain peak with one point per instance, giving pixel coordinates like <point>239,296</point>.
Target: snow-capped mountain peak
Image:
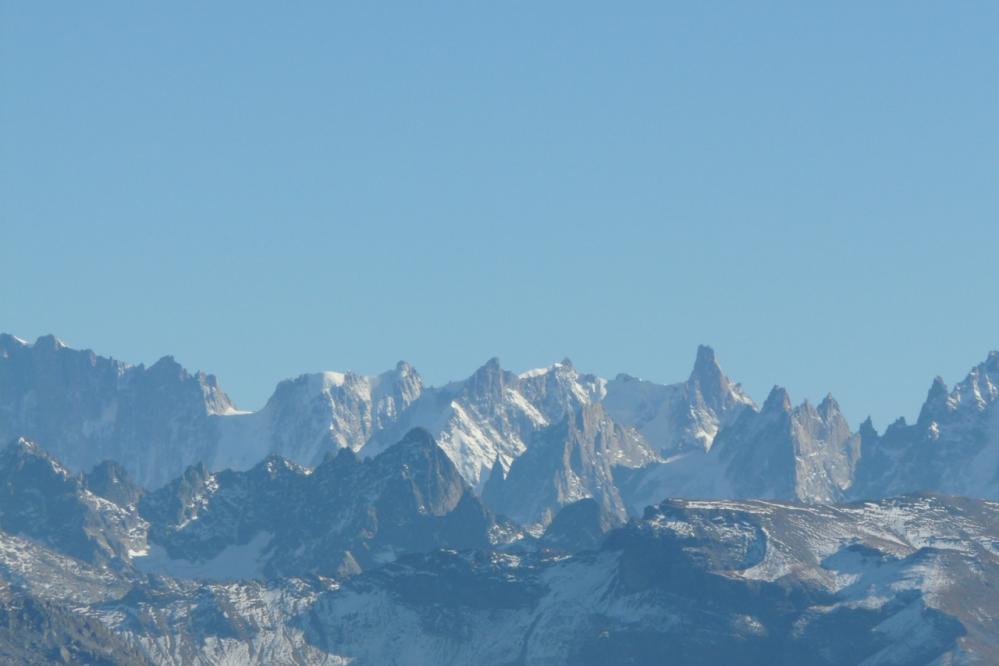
<point>313,414</point>
<point>491,415</point>
<point>679,417</point>
<point>952,448</point>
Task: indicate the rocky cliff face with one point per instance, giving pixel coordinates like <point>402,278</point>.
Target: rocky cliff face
<point>802,453</point>
<point>494,413</point>
<point>314,414</point>
<point>566,462</point>
<point>85,408</point>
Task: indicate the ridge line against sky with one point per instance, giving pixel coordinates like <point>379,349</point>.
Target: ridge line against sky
<point>814,191</point>
<point>758,398</point>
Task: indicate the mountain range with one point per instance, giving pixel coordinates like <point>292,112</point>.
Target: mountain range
<point>547,516</point>
<point>263,567</point>
<point>700,438</point>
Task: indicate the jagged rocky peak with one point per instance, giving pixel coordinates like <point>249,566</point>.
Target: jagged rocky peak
<point>567,461</point>
<point>804,453</point>
<point>707,373</point>
<point>179,501</point>
<point>979,389</point>
<point>40,498</point>
<point>406,376</point>
<point>952,448</point>
<point>715,388</point>
<point>937,402</point>
<point>681,417</point>
<point>275,467</point>
<point>421,462</point>
<point>86,408</point>
<point>867,431</point>
<point>777,401</point>
<point>491,414</point>
<point>827,416</point>
<point>560,388</point>
<point>488,382</point>
<point>829,407</point>
<point>313,414</point>
<point>167,372</point>
<point>343,517</point>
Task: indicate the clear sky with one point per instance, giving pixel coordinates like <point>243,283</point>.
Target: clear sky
<point>266,189</point>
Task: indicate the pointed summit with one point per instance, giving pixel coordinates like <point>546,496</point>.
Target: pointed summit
<point>828,406</point>
<point>867,430</point>
<point>936,402</point>
<point>486,382</point>
<point>708,379</point>
<point>705,356</point>
<point>706,368</point>
<point>709,382</point>
<point>777,401</point>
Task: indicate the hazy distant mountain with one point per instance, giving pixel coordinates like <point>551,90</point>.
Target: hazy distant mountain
<point>314,414</point>
<point>491,415</point>
<point>157,421</point>
<point>84,408</point>
<point>952,448</point>
<point>681,417</point>
<point>799,453</point>
<point>702,438</point>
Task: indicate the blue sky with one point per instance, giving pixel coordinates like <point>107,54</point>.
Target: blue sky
<point>264,191</point>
